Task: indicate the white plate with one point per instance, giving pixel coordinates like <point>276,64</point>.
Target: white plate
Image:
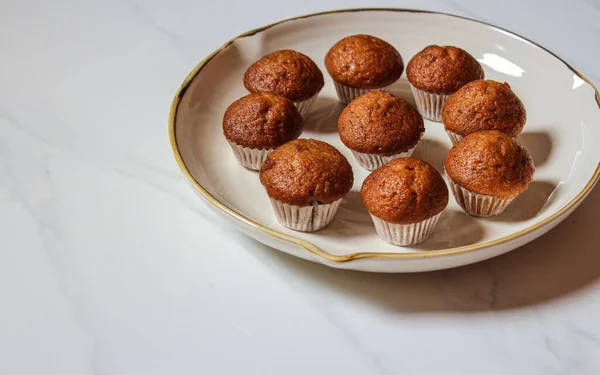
<point>562,134</point>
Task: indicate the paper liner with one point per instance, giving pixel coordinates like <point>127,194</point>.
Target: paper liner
<point>304,106</point>
<point>405,234</point>
<point>478,204</point>
<point>454,137</point>
<point>371,162</point>
<point>251,158</point>
<point>347,94</point>
<point>305,218</point>
<point>429,104</point>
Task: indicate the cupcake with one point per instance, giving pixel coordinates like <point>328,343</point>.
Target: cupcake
<point>360,63</point>
<point>258,123</point>
<point>486,171</point>
<point>306,180</point>
<point>287,73</point>
<point>436,72</point>
<point>405,198</point>
<point>379,127</point>
<point>483,105</point>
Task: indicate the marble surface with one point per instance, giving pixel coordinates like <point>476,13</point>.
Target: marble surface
<point>109,264</point>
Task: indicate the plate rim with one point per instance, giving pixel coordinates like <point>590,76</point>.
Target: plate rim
<point>315,250</point>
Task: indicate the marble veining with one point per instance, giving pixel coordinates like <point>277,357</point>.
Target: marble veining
<point>109,264</point>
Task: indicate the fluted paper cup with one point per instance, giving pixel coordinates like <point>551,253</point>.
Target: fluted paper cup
<point>304,106</point>
<point>429,104</point>
<point>454,137</point>
<point>405,234</point>
<point>347,94</point>
<point>478,204</point>
<point>371,162</point>
<point>305,218</point>
<point>251,158</point>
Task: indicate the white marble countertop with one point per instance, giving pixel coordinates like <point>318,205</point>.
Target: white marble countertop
<point>109,264</point>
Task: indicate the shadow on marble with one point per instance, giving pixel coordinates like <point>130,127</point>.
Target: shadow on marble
<point>559,264</point>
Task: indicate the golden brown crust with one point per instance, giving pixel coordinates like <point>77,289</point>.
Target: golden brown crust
<point>380,123</point>
<point>305,171</point>
<point>364,61</point>
<point>484,105</point>
<point>405,191</point>
<point>287,73</point>
<point>442,69</point>
<point>490,163</point>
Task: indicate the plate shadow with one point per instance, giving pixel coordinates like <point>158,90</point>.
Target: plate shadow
<point>539,145</point>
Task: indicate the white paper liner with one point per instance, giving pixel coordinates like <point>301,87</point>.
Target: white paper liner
<point>371,162</point>
<point>304,106</point>
<point>251,158</point>
<point>478,204</point>
<point>405,234</point>
<point>429,104</point>
<point>347,94</point>
<point>305,218</point>
<point>454,137</point>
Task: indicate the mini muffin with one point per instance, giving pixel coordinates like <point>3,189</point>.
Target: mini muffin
<point>379,127</point>
<point>360,63</point>
<point>405,198</point>
<point>287,73</point>
<point>487,170</point>
<point>306,180</point>
<point>258,123</point>
<point>438,71</point>
<point>483,105</point>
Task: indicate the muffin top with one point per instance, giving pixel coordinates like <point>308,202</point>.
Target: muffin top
<point>405,191</point>
<point>484,105</point>
<point>305,171</point>
<point>262,121</point>
<point>442,69</point>
<point>380,123</point>
<point>364,61</point>
<point>287,73</point>
<point>490,163</point>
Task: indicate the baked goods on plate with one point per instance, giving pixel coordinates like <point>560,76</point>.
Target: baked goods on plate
<point>287,73</point>
<point>379,127</point>
<point>360,63</point>
<point>438,71</point>
<point>306,180</point>
<point>256,124</point>
<point>487,170</point>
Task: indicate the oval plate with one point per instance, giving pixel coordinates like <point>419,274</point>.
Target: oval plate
<point>562,128</point>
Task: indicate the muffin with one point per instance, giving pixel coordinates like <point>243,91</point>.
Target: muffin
<point>379,127</point>
<point>438,71</point>
<point>306,180</point>
<point>405,198</point>
<point>360,63</point>
<point>486,171</point>
<point>287,73</point>
<point>483,105</point>
<point>258,123</point>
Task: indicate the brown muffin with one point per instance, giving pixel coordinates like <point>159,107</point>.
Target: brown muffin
<point>484,105</point>
<point>442,69</point>
<point>287,73</point>
<point>306,171</point>
<point>364,61</point>
<point>262,121</point>
<point>380,123</point>
<point>490,163</point>
<point>405,191</point>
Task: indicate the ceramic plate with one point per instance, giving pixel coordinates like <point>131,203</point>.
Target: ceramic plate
<point>562,134</point>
